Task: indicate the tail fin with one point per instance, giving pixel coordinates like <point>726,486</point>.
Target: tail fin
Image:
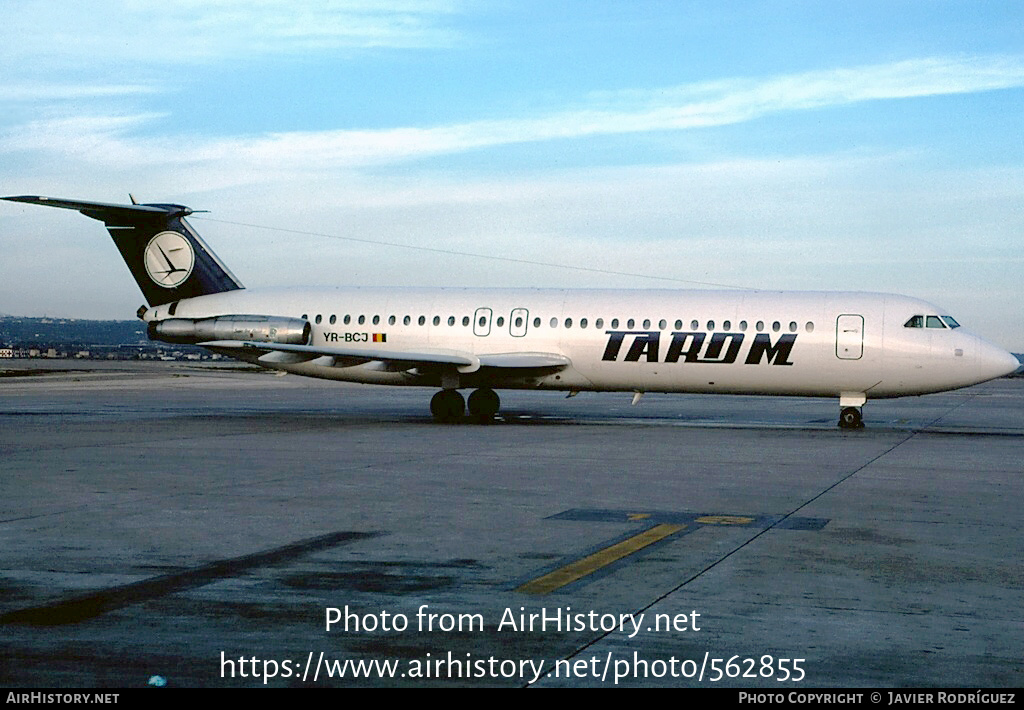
<point>165,255</point>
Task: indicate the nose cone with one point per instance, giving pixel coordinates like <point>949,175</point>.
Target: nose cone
<point>992,361</point>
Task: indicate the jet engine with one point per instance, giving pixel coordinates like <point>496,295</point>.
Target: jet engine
<point>260,329</point>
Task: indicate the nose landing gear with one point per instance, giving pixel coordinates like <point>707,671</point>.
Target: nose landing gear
<point>850,404</point>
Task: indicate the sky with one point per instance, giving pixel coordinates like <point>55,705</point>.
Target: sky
<point>873,146</point>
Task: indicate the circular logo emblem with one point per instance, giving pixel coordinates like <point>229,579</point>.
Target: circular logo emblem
<point>169,259</point>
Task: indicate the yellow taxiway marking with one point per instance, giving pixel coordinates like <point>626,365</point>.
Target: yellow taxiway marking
<point>724,520</point>
<point>602,558</point>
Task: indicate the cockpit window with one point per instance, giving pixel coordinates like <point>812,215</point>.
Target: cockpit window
<point>935,322</point>
<point>950,321</point>
<point>915,322</point>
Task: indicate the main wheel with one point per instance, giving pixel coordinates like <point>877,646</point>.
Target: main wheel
<point>447,406</point>
<point>484,404</point>
<point>850,418</point>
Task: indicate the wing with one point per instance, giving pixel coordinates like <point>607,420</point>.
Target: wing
<point>281,354</point>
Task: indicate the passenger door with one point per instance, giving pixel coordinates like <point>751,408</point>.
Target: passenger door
<point>850,337</point>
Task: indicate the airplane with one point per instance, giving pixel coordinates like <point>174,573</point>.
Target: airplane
<point>847,345</point>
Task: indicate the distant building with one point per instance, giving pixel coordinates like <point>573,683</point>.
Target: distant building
<point>6,352</point>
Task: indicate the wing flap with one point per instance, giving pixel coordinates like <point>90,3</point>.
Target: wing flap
<point>525,361</point>
<point>409,358</point>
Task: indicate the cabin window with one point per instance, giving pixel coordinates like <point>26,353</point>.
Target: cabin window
<point>451,320</point>
<point>362,319</point>
<point>792,326</point>
<point>568,322</point>
<point>437,320</point>
<point>935,322</point>
<point>465,321</point>
<point>407,320</point>
<point>662,324</point>
<point>422,320</point>
<point>776,326</point>
<point>554,322</point>
<point>615,323</point>
<point>536,322</point>
<point>727,325</point>
<point>347,319</point>
<point>949,320</point>
<point>333,319</point>
<point>711,325</point>
<point>583,322</point>
<point>760,326</point>
<point>319,318</point>
<point>679,325</point>
<point>500,322</point>
<point>743,326</point>
<point>694,325</point>
<point>391,320</point>
<point>305,316</point>
<point>809,327</point>
<point>647,323</point>
<point>630,323</point>
<point>519,322</point>
<point>376,320</point>
<point>915,322</point>
<point>599,323</point>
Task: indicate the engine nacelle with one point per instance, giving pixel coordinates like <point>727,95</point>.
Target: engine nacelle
<point>261,329</point>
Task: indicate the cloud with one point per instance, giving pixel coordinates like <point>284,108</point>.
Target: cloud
<point>177,32</point>
<point>45,92</point>
<point>679,108</point>
<point>672,109</point>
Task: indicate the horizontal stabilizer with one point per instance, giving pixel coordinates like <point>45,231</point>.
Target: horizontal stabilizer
<point>105,211</point>
<point>168,259</point>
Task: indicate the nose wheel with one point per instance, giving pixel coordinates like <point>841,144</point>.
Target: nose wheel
<point>851,418</point>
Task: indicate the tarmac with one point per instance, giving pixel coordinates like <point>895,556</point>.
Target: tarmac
<point>194,525</point>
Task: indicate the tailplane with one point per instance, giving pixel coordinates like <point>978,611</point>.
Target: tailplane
<point>168,259</point>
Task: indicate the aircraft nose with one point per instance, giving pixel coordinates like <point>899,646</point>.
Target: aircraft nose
<point>992,361</point>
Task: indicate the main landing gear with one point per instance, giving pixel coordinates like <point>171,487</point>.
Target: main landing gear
<point>448,405</point>
<point>484,405</point>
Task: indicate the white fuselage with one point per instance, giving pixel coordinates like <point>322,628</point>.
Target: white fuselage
<point>740,342</point>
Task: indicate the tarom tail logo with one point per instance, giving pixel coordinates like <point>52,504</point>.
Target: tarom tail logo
<point>169,259</point>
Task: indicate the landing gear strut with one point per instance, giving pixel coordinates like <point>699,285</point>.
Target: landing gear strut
<point>850,418</point>
<point>447,406</point>
<point>484,404</point>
